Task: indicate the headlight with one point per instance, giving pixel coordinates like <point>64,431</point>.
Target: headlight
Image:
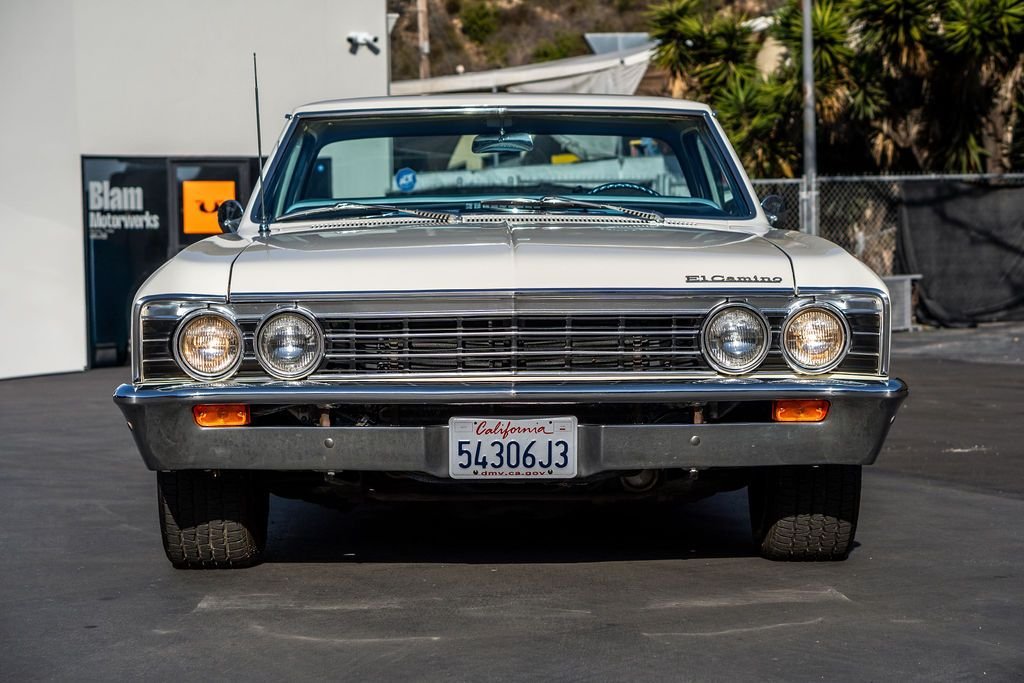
<point>289,345</point>
<point>814,339</point>
<point>208,345</point>
<point>735,339</point>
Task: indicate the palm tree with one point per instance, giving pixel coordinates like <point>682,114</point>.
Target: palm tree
<point>833,55</point>
<point>982,52</point>
<point>903,85</point>
<point>759,116</point>
<point>702,50</point>
<point>677,26</point>
<point>712,57</point>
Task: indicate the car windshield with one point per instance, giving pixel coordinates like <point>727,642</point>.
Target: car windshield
<point>673,165</point>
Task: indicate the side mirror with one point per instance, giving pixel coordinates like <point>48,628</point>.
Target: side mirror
<point>773,206</point>
<point>229,215</point>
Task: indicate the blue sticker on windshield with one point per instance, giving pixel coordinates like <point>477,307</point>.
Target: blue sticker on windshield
<point>405,179</point>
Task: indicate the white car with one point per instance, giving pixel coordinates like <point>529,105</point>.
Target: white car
<point>507,296</point>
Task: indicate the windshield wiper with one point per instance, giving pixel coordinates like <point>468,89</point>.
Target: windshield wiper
<point>569,202</point>
<point>369,209</point>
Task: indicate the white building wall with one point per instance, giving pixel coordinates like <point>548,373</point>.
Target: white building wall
<point>42,277</point>
<point>176,77</point>
<point>124,77</point>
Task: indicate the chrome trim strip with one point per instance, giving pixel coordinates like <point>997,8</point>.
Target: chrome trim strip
<point>534,377</point>
<point>599,295</point>
<point>505,354</point>
<point>314,393</point>
<point>506,333</point>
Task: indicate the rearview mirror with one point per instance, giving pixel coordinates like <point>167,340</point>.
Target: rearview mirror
<point>506,142</point>
<point>773,206</point>
<point>229,215</point>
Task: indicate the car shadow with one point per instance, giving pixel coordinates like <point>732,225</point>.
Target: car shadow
<point>496,533</point>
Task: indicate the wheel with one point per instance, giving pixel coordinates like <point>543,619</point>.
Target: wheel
<point>214,520</point>
<point>805,513</point>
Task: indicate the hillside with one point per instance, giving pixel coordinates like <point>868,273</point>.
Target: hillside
<point>490,34</point>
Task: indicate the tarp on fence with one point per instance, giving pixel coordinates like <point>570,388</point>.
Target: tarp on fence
<point>967,241</point>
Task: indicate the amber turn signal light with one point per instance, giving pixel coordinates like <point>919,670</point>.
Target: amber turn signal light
<point>221,415</point>
<point>799,411</point>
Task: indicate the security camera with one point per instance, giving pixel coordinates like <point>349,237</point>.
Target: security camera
<point>357,38</point>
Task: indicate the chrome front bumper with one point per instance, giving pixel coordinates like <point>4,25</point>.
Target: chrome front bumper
<point>168,438</point>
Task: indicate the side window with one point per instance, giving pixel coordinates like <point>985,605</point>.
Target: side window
<point>712,171</point>
<point>285,190</point>
<point>705,173</point>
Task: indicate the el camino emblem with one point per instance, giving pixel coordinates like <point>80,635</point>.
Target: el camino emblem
<point>732,278</point>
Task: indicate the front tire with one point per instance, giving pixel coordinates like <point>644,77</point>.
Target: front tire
<point>212,520</point>
<point>805,513</point>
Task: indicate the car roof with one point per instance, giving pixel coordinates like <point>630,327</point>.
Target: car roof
<point>467,100</point>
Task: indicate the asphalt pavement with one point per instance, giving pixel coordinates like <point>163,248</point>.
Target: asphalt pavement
<point>934,591</point>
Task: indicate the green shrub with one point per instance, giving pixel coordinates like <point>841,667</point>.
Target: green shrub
<point>497,53</point>
<point>479,21</point>
<point>564,45</point>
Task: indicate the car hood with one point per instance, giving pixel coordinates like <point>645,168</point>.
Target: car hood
<point>501,256</point>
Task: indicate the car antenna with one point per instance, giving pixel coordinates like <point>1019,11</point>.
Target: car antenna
<point>264,226</point>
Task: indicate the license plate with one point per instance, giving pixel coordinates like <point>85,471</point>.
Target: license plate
<point>500,449</point>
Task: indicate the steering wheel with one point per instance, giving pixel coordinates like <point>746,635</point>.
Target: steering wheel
<point>622,185</point>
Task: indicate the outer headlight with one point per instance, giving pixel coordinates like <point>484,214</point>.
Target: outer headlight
<point>735,339</point>
<point>289,345</point>
<point>208,345</point>
<point>815,339</point>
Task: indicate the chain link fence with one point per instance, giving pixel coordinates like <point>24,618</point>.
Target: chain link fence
<point>862,214</point>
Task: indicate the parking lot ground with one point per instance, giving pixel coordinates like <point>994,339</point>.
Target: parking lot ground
<point>963,423</point>
<point>935,590</point>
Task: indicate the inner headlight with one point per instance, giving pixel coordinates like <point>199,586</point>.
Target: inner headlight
<point>735,339</point>
<point>289,345</point>
<point>814,340</point>
<point>208,346</point>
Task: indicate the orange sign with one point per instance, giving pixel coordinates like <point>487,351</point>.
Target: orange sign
<point>199,202</point>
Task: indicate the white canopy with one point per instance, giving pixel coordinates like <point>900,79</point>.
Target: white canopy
<point>611,73</point>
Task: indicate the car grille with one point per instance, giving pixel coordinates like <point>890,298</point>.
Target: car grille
<point>513,343</point>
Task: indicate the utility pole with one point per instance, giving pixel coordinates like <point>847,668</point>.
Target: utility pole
<point>810,196</point>
<point>423,29</point>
